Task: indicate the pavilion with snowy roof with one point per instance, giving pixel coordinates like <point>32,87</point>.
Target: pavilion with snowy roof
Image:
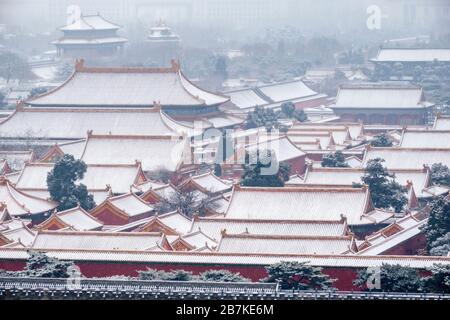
<point>20,203</point>
<point>90,35</point>
<point>95,87</point>
<point>308,203</point>
<point>76,219</point>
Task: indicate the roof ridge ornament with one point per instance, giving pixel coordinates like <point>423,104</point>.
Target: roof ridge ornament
<point>79,65</point>
<point>175,64</point>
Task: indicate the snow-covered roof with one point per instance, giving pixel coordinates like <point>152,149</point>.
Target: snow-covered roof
<point>286,91</point>
<point>72,123</point>
<point>347,176</point>
<point>90,22</point>
<point>198,239</point>
<point>301,203</point>
<point>4,168</point>
<point>428,139</point>
<point>283,148</point>
<point>19,203</point>
<point>176,221</point>
<point>245,243</point>
<point>246,98</point>
<point>16,159</point>
<point>355,129</point>
<point>127,87</point>
<point>214,227</point>
<point>214,258</point>
<point>96,240</point>
<point>412,55</point>
<point>90,42</point>
<point>74,148</point>
<point>96,178</point>
<point>323,139</point>
<point>129,204</point>
<point>208,182</point>
<point>272,95</point>
<point>154,152</point>
<point>408,158</point>
<point>385,239</point>
<point>442,123</point>
<point>77,219</point>
<point>18,232</point>
<point>379,97</point>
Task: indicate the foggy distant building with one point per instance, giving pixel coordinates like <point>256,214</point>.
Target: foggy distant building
<point>412,56</point>
<point>163,45</point>
<point>310,15</point>
<point>382,104</point>
<point>90,36</point>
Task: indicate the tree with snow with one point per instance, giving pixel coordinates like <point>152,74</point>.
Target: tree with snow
<point>386,192</point>
<point>334,160</point>
<point>63,187</point>
<point>298,276</point>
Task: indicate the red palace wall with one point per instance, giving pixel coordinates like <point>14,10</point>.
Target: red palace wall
<point>344,276</point>
<point>298,165</point>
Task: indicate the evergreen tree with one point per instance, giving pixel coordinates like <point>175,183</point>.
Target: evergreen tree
<point>438,224</point>
<point>298,276</point>
<point>394,278</point>
<point>439,281</point>
<point>386,192</point>
<point>440,174</point>
<point>61,182</point>
<point>334,160</point>
<point>288,110</point>
<point>441,246</point>
<point>39,265</point>
<point>261,117</point>
<point>222,276</point>
<point>254,176</point>
<point>382,140</point>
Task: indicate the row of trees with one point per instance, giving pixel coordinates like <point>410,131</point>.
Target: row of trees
<point>270,119</point>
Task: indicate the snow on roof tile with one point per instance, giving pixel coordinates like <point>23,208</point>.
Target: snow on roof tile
<point>130,204</point>
<point>16,159</point>
<point>214,258</point>
<point>79,219</point>
<point>95,240</point>
<point>428,139</point>
<point>286,91</point>
<point>379,97</point>
<point>412,55</point>
<point>300,203</point>
<point>442,123</point>
<point>408,158</point>
<point>154,152</point>
<point>19,203</point>
<point>245,243</point>
<point>90,22</point>
<point>130,87</point>
<point>347,176</point>
<point>213,227</point>
<point>75,123</point>
<point>96,178</point>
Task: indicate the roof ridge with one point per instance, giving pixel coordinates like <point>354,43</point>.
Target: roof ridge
<point>285,237</point>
